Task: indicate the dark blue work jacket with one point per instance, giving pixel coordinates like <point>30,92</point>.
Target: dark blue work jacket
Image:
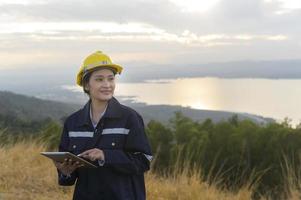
<point>120,134</point>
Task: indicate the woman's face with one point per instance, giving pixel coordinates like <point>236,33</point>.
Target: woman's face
<point>101,85</point>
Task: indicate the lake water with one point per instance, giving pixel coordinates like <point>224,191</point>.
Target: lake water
<point>276,98</point>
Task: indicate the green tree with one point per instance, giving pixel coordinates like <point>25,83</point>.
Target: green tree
<point>161,140</point>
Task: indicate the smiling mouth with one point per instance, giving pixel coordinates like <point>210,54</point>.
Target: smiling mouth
<point>105,92</point>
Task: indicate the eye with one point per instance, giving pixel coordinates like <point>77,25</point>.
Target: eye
<point>99,79</point>
<point>111,78</point>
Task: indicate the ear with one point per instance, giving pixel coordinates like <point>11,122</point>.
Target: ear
<point>87,87</point>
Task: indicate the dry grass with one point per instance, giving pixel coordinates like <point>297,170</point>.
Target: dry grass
<point>184,187</point>
<point>25,174</point>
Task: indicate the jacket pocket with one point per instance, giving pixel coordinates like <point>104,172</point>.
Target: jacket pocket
<point>78,141</point>
<point>112,141</point>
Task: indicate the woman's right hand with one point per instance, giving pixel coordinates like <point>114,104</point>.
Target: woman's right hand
<point>67,167</point>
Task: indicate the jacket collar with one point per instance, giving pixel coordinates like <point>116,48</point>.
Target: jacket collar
<point>113,111</point>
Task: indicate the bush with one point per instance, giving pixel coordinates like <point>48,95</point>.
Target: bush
<point>234,151</point>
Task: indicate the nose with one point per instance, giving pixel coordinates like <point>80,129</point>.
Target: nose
<point>106,83</point>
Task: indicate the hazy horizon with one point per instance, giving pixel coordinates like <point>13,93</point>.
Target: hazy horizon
<point>269,98</point>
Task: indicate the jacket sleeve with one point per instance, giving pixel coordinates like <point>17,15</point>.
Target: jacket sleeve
<point>136,156</point>
<point>63,146</point>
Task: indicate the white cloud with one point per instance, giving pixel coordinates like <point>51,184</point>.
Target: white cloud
<point>290,4</point>
<point>123,32</point>
<point>22,2</point>
<point>195,5</point>
<point>277,37</point>
<point>218,30</point>
<point>285,6</point>
<point>56,27</point>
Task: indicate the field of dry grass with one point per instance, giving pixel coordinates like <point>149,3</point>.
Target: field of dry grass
<point>25,174</point>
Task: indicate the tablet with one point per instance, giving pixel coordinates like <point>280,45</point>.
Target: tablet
<point>61,156</point>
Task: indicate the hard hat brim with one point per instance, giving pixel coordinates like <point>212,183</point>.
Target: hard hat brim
<point>117,69</point>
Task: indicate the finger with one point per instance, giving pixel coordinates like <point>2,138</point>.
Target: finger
<point>79,165</point>
<point>75,164</point>
<point>86,152</point>
<point>87,156</point>
<point>63,164</point>
<point>96,155</point>
<point>65,161</point>
<point>70,162</point>
<point>92,158</point>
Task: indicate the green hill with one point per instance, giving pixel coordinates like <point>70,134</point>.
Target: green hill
<point>26,108</point>
<point>31,108</point>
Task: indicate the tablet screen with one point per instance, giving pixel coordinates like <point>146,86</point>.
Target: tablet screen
<point>61,156</point>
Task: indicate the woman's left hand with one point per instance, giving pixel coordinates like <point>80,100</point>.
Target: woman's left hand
<point>93,154</point>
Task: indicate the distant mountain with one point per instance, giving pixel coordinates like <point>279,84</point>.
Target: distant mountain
<point>163,113</point>
<point>274,69</point>
<point>32,108</point>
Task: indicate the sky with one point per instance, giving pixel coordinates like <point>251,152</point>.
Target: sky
<point>55,35</point>
<point>43,42</point>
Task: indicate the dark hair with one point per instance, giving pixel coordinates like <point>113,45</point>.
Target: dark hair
<point>87,76</point>
<point>86,79</point>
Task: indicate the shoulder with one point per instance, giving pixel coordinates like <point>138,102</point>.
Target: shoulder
<point>133,117</point>
<point>123,110</point>
<point>74,117</point>
<point>129,111</point>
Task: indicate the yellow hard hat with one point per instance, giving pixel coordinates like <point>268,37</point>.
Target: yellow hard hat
<point>97,59</point>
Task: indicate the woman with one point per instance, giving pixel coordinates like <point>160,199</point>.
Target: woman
<point>108,134</point>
